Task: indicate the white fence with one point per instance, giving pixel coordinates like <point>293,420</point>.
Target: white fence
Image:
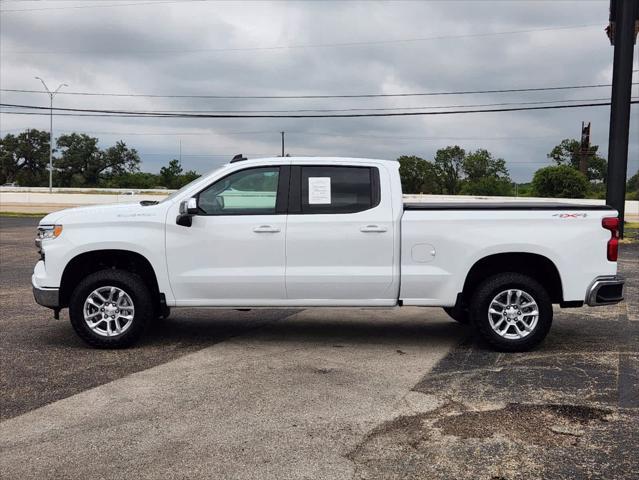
<point>126,191</point>
<point>16,198</point>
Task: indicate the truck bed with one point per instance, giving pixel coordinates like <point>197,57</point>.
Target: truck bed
<point>483,205</point>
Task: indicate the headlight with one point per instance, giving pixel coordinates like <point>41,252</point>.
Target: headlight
<point>46,232</point>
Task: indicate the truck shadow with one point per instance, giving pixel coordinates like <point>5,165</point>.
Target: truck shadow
<point>282,327</point>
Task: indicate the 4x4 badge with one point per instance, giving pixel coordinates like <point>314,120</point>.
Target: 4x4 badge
<point>570,215</point>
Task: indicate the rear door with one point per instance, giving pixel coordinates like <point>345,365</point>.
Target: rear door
<point>340,237</point>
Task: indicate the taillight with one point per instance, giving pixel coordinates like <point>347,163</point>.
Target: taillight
<point>612,224</point>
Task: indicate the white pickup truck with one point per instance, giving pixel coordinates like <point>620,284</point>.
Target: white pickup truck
<point>323,232</point>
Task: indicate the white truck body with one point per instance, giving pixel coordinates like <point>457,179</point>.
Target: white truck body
<point>385,255</point>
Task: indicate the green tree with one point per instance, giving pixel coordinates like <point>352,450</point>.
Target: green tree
<point>561,181</point>
<point>187,177</point>
<point>568,153</point>
<point>488,186</point>
<point>83,163</point>
<point>120,159</point>
<point>24,158</point>
<point>170,175</point>
<point>418,175</point>
<point>80,162</point>
<point>524,189</point>
<point>448,167</point>
<point>481,164</point>
<point>485,175</point>
<point>632,187</point>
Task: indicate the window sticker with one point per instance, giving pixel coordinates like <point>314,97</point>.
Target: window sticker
<point>319,190</point>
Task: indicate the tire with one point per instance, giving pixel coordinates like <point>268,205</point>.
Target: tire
<point>458,314</point>
<point>513,328</point>
<point>135,302</point>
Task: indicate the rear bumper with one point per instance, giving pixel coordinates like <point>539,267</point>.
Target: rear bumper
<point>47,297</point>
<point>605,291</point>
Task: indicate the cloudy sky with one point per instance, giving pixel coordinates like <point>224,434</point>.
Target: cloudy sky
<point>313,48</point>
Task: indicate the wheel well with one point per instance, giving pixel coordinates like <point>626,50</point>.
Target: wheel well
<point>87,263</point>
<point>536,266</point>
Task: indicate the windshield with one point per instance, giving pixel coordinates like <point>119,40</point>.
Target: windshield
<point>189,185</point>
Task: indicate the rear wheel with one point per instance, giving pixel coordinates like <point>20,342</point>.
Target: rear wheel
<point>111,309</point>
<point>513,312</point>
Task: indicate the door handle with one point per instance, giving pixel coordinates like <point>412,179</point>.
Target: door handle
<point>266,229</point>
<point>372,228</point>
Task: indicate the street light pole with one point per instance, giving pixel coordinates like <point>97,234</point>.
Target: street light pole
<point>51,95</point>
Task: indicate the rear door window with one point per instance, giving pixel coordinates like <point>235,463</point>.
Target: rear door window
<point>335,189</point>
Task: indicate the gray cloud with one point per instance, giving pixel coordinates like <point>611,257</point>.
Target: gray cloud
<point>118,45</point>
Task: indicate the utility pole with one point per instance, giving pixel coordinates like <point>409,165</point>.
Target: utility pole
<point>584,149</point>
<point>282,143</point>
<point>622,32</point>
<point>51,95</point>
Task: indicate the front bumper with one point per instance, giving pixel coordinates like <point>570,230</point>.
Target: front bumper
<point>605,291</point>
<point>44,294</point>
<point>47,297</point>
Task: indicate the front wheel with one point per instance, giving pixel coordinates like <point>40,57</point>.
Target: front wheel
<point>111,308</point>
<point>513,312</point>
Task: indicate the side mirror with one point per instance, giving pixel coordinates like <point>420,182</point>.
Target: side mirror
<point>188,208</point>
<point>191,206</point>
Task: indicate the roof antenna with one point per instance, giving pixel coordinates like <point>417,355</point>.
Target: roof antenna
<point>238,158</point>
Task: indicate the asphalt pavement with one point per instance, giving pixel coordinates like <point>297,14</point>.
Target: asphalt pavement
<point>329,394</point>
<point>43,360</point>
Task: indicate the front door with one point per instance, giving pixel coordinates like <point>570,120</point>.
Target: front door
<point>234,252</point>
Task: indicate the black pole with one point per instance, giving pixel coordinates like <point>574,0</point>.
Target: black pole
<point>623,14</point>
<point>282,143</point>
<point>584,151</point>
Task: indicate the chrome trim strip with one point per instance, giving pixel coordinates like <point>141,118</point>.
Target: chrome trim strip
<point>47,297</point>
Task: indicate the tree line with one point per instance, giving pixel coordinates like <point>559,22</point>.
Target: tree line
<point>455,171</point>
<point>80,162</point>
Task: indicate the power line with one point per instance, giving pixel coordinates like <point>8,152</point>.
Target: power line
<point>365,95</point>
<point>133,114</point>
<point>303,46</point>
<point>329,110</point>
